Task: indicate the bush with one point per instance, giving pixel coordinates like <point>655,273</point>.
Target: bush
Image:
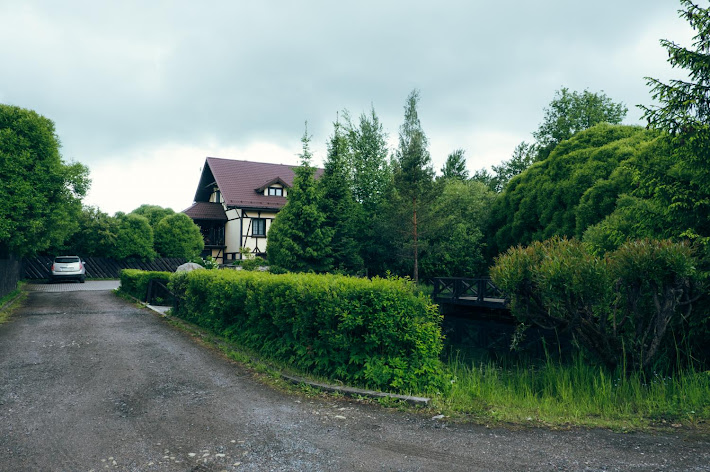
<point>134,282</point>
<point>618,308</point>
<point>252,264</point>
<point>178,236</point>
<point>377,333</point>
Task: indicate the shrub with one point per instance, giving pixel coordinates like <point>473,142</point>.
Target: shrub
<point>378,333</point>
<point>619,307</point>
<point>178,236</point>
<point>134,282</point>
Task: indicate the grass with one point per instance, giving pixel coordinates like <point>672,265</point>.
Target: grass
<point>578,394</point>
<point>10,302</point>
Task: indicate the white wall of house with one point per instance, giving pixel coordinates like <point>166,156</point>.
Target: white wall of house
<point>233,232</point>
<point>251,241</point>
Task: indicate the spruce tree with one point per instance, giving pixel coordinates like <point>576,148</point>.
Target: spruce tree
<point>338,205</point>
<point>298,240</point>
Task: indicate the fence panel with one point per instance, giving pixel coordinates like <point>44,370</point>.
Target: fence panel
<point>34,268</point>
<point>9,272</point>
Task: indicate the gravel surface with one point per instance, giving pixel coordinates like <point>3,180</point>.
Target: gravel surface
<point>90,382</point>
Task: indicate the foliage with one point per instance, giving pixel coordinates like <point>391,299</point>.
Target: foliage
<point>571,112</point>
<point>95,237</point>
<point>372,190</point>
<point>176,235</point>
<point>684,109</point>
<point>618,307</point>
<point>40,195</point>
<point>134,238</point>
<point>378,333</point>
<point>576,187</point>
<point>455,166</point>
<point>567,114</point>
<point>522,158</point>
<point>252,264</point>
<point>413,175</point>
<point>154,213</point>
<point>371,173</point>
<point>455,241</point>
<point>297,240</point>
<point>341,213</point>
<point>135,282</point>
<point>684,112</point>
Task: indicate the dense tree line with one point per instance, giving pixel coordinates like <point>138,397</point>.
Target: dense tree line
<point>145,233</point>
<point>375,213</point>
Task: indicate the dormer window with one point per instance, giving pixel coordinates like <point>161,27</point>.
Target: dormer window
<point>276,192</point>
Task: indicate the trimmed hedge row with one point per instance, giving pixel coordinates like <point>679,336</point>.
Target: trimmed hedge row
<point>377,333</point>
<point>134,282</point>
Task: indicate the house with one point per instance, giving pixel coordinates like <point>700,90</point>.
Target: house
<point>235,203</point>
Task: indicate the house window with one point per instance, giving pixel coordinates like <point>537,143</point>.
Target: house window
<point>258,227</point>
<point>276,191</point>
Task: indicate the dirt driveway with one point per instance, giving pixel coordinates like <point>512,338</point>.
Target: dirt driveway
<point>90,382</point>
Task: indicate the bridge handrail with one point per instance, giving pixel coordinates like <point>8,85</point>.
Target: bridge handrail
<point>478,288</point>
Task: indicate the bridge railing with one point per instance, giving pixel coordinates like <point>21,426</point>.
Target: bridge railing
<point>468,291</point>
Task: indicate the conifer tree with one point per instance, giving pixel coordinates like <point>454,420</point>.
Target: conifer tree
<point>414,174</point>
<point>338,205</point>
<point>298,240</point>
<point>455,166</point>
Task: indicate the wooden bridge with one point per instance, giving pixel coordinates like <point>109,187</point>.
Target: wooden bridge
<point>471,292</point>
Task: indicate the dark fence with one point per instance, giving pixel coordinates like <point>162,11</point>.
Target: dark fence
<point>99,267</point>
<point>464,291</point>
<point>9,272</point>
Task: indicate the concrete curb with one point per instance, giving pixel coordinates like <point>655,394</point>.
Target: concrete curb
<point>353,392</point>
<point>348,391</point>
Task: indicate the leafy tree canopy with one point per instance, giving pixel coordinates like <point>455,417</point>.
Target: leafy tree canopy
<point>455,240</point>
<point>95,237</point>
<point>571,112</point>
<point>134,238</point>
<point>40,195</point>
<point>576,187</point>
<point>154,213</point>
<point>177,235</point>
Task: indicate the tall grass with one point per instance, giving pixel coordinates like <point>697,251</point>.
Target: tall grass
<point>577,393</point>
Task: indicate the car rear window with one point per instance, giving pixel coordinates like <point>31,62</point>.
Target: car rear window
<point>66,260</point>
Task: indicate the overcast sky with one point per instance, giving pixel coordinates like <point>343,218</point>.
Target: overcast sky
<point>141,92</point>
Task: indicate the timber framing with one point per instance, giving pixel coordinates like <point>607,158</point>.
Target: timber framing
<point>232,198</point>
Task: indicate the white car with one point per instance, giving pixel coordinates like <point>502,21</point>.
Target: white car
<point>67,268</point>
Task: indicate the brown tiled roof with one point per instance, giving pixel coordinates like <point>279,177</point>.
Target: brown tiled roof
<point>206,211</point>
<point>238,181</point>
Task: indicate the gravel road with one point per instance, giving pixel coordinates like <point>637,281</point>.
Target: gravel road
<point>90,382</point>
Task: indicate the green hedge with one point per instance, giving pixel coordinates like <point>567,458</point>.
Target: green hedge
<point>377,333</point>
<point>134,282</point>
